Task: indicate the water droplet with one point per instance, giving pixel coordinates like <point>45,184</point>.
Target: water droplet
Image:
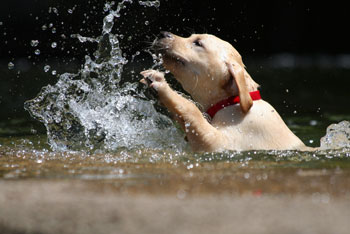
<point>181,194</point>
<point>44,27</point>
<point>53,30</point>
<point>50,25</point>
<point>265,176</point>
<point>150,3</point>
<point>108,23</point>
<point>10,65</point>
<point>70,11</point>
<point>295,112</point>
<point>34,43</point>
<point>313,122</point>
<point>246,175</point>
<point>53,44</point>
<point>47,68</point>
<point>1,23</point>
<point>55,10</point>
<point>146,22</point>
<point>287,90</point>
<point>54,72</point>
<point>37,52</point>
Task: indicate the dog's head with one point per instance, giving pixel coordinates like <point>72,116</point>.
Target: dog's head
<point>207,67</point>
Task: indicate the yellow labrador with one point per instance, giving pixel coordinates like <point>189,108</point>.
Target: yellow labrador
<point>213,73</point>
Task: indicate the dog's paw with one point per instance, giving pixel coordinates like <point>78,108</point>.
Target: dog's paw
<point>154,79</point>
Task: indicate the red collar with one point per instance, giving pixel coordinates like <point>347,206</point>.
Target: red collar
<point>255,95</point>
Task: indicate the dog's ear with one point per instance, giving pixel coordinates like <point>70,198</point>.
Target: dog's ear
<point>237,72</point>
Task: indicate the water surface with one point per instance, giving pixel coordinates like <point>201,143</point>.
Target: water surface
<point>181,172</point>
<point>97,124</point>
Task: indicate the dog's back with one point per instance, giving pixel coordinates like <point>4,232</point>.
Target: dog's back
<point>261,128</point>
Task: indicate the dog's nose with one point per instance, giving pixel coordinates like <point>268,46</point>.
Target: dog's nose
<point>164,34</point>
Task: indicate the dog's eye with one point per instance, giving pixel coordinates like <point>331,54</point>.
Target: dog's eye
<point>198,43</point>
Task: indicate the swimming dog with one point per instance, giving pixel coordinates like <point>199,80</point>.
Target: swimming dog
<point>212,72</point>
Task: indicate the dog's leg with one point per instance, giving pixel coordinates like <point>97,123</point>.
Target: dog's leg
<point>201,135</point>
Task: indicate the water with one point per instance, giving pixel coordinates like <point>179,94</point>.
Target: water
<point>101,128</point>
<point>97,140</point>
<point>95,109</point>
<point>145,170</point>
<point>337,137</point>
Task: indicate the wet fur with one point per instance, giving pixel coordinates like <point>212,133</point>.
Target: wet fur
<point>211,70</point>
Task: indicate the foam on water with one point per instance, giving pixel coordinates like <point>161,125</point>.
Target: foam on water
<point>95,109</point>
<point>337,136</point>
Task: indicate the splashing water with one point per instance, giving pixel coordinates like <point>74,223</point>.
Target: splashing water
<point>337,136</point>
<point>149,3</point>
<point>93,109</point>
